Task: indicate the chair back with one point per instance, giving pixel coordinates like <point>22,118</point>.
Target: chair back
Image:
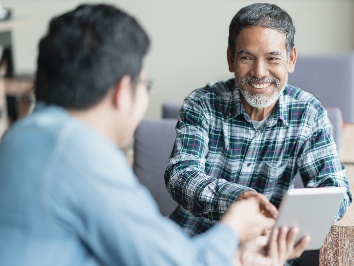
<point>153,143</point>
<point>330,78</point>
<point>170,110</point>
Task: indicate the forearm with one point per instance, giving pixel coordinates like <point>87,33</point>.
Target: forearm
<point>320,165</point>
<point>200,193</point>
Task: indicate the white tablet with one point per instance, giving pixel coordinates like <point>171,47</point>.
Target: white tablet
<point>312,210</point>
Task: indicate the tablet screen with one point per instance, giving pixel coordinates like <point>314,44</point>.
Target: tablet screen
<point>312,210</point>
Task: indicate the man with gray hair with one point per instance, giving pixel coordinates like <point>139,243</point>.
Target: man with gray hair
<point>249,136</point>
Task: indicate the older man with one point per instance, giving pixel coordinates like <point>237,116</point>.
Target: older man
<point>247,137</point>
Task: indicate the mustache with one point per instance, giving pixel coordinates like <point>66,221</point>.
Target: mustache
<point>264,79</point>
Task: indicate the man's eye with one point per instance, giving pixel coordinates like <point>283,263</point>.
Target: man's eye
<point>274,59</point>
<point>245,58</point>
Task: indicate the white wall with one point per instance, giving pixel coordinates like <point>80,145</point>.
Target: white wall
<point>189,37</point>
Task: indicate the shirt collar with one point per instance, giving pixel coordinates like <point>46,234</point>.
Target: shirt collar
<point>235,107</point>
<point>280,112</point>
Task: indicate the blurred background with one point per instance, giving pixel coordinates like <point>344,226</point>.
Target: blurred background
<point>189,37</point>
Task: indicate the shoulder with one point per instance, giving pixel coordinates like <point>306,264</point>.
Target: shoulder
<point>212,98</point>
<point>218,90</point>
<point>66,145</point>
<point>302,103</point>
<point>87,154</point>
<point>38,131</point>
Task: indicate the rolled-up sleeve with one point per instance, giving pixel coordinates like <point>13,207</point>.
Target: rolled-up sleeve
<point>185,177</point>
<point>319,163</point>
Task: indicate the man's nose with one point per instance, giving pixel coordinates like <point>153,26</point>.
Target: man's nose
<point>260,69</point>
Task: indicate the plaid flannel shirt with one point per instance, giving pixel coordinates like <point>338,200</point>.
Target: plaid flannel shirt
<point>218,154</point>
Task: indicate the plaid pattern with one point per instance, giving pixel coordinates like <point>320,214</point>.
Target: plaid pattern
<point>218,154</point>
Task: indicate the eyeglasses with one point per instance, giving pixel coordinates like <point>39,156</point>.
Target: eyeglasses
<point>147,82</point>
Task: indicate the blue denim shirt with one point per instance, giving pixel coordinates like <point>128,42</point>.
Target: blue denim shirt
<point>69,197</point>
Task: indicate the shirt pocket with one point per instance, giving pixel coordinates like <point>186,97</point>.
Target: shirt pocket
<point>273,170</point>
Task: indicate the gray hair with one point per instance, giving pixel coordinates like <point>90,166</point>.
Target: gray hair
<point>264,15</point>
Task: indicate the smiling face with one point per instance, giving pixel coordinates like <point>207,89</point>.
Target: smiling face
<point>261,65</point>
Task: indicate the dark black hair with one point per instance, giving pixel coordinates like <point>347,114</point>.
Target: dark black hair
<point>85,52</point>
<point>264,15</point>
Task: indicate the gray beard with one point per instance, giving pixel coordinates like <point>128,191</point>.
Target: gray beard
<point>261,101</point>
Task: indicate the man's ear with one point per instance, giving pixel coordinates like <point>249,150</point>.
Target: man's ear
<point>122,92</point>
<point>230,60</point>
<point>292,61</point>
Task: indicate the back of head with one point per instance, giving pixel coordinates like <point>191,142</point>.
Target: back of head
<point>264,15</point>
<point>85,52</point>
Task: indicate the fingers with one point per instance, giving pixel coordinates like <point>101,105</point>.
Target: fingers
<point>264,225</point>
<point>251,224</point>
<point>295,251</point>
<point>267,208</point>
<point>299,247</point>
<point>247,195</point>
<point>260,224</point>
<point>244,218</point>
<point>290,238</point>
<point>265,232</point>
<point>273,245</point>
<point>268,224</point>
<point>270,210</point>
<point>283,247</point>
